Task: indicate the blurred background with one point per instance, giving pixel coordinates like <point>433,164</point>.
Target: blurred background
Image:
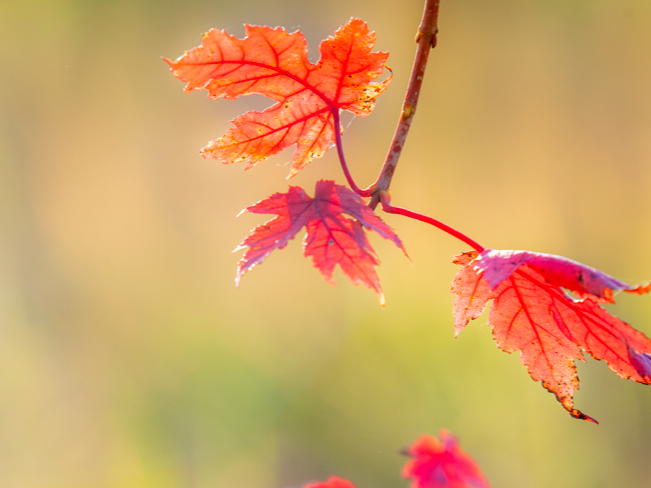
<point>129,359</point>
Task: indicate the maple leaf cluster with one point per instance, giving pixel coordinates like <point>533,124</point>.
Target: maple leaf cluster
<point>532,311</point>
<point>308,97</point>
<point>434,463</point>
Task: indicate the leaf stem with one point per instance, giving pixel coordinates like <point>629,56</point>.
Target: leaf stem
<point>387,207</point>
<point>426,40</point>
<point>378,191</point>
<point>342,158</point>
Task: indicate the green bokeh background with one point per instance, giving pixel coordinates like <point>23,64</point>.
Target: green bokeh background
<point>127,357</point>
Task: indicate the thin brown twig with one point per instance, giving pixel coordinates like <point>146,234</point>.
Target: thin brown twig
<point>426,40</point>
<point>379,191</point>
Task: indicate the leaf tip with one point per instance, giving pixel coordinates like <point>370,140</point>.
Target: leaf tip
<point>640,290</point>
<point>577,414</point>
<point>642,364</point>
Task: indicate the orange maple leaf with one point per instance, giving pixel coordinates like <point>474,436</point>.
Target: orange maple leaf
<point>273,63</point>
<point>531,313</point>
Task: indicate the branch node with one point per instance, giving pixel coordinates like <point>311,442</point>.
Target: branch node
<point>408,111</point>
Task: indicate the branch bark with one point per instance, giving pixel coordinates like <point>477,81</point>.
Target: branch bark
<point>426,40</point>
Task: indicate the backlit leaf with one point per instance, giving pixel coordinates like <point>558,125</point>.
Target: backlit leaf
<point>331,239</point>
<point>531,313</point>
<point>273,63</point>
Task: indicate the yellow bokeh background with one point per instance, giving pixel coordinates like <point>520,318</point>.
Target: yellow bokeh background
<point>128,359</point>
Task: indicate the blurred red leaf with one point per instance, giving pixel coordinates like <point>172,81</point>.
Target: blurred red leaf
<point>333,482</point>
<point>532,314</point>
<point>273,63</point>
<point>442,464</point>
<point>331,237</point>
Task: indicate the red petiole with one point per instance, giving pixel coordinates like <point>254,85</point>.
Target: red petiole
<point>378,191</point>
<point>387,207</point>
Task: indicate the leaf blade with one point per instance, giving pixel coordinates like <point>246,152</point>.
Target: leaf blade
<point>532,314</point>
<point>331,238</point>
<point>273,63</point>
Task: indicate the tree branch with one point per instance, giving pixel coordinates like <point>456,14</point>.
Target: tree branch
<point>426,39</point>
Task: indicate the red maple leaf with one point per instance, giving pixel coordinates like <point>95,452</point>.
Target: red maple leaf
<point>442,464</point>
<point>331,237</point>
<point>273,63</point>
<point>531,313</point>
<point>333,482</point>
